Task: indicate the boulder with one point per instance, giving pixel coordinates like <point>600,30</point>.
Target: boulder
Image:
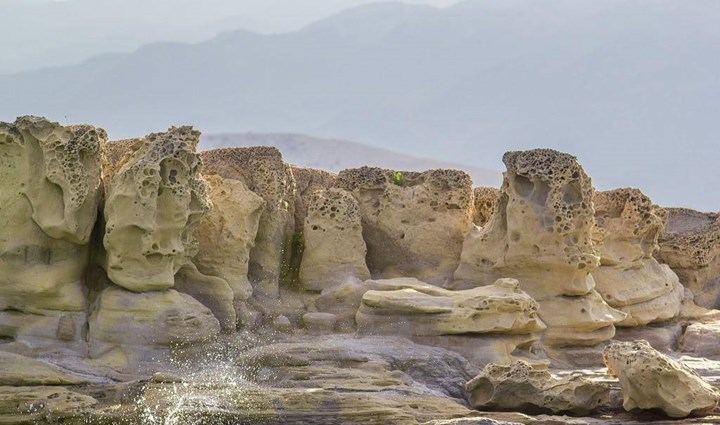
<point>485,204</point>
<point>541,235</point>
<point>227,234</point>
<point>153,203</point>
<point>334,249</point>
<point>413,223</point>
<point>144,324</point>
<point>651,380</point>
<point>630,279</point>
<point>702,339</point>
<point>264,172</point>
<point>519,387</point>
<point>690,245</point>
<point>403,307</point>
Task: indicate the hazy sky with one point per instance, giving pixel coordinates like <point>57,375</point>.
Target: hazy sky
<point>41,33</point>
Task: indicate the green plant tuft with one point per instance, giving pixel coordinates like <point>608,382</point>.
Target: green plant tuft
<point>398,178</point>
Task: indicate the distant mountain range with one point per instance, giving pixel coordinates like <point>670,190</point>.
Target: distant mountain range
<point>632,87</point>
<point>337,155</point>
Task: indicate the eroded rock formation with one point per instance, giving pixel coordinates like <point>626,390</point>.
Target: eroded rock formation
<point>690,245</point>
<point>485,204</point>
<point>541,235</point>
<point>651,380</point>
<point>227,234</point>
<point>413,223</point>
<point>264,172</point>
<point>334,250</point>
<point>629,278</point>
<point>49,198</point>
<point>520,387</point>
<point>153,203</point>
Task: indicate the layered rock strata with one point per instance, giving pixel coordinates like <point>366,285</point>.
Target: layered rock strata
<point>264,172</point>
<point>334,249</point>
<point>495,323</point>
<point>629,278</point>
<point>541,235</point>
<point>519,387</point>
<point>651,380</point>
<point>49,199</point>
<point>690,245</point>
<point>413,223</point>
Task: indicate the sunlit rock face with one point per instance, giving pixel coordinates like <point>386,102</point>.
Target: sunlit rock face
<point>264,172</point>
<point>227,234</point>
<point>49,194</point>
<point>541,235</point>
<point>413,223</point>
<point>651,380</point>
<point>485,199</point>
<point>690,245</point>
<point>334,249</point>
<point>629,278</point>
<point>153,202</point>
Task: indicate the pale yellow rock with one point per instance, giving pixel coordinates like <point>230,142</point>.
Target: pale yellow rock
<point>308,181</point>
<point>541,234</point>
<point>702,339</point>
<point>690,245</point>
<point>334,249</point>
<point>519,387</point>
<point>264,172</point>
<point>48,207</point>
<point>157,318</point>
<point>485,204</point>
<point>651,380</point>
<point>413,223</point>
<point>44,332</point>
<point>212,292</point>
<point>629,278</point>
<point>578,321</point>
<point>227,234</point>
<point>415,308</point>
<point>153,202</point>
<point>20,370</point>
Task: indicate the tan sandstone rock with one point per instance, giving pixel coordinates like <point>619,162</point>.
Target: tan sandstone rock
<point>413,223</point>
<point>142,324</point>
<point>48,207</point>
<point>307,181</point>
<point>405,307</point>
<point>520,387</point>
<point>19,370</point>
<point>485,204</point>
<point>153,202</point>
<point>690,245</point>
<point>651,380</point>
<point>227,234</point>
<point>541,235</point>
<point>702,339</point>
<point>264,172</point>
<point>629,278</point>
<point>334,249</point>
<point>212,292</point>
